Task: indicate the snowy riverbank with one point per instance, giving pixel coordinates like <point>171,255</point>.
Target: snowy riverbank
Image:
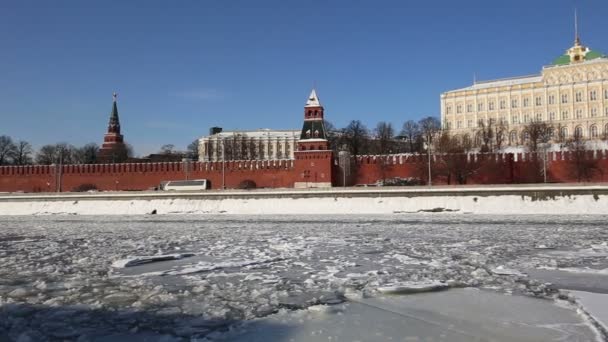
<point>516,200</point>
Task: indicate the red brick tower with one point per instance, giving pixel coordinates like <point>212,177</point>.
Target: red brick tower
<point>313,159</point>
<point>113,149</point>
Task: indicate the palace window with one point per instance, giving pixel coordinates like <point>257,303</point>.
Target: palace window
<point>469,108</point>
<point>565,115</point>
<point>526,136</point>
<point>480,106</point>
<point>563,132</point>
<point>578,97</point>
<point>606,111</point>
<point>551,116</point>
<point>514,119</point>
<point>593,112</point>
<point>593,131</point>
<point>526,118</point>
<point>564,98</point>
<point>459,124</point>
<point>503,104</point>
<point>578,132</point>
<point>606,94</point>
<point>539,116</point>
<point>491,105</point>
<point>593,95</point>
<point>459,109</point>
<point>469,123</point>
<point>539,101</point>
<point>514,103</point>
<point>579,113</point>
<point>551,99</point>
<point>526,102</point>
<point>448,110</point>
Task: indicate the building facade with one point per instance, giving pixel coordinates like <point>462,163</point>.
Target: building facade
<point>571,95</point>
<point>262,144</point>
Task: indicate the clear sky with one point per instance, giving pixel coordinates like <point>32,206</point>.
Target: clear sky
<point>182,66</point>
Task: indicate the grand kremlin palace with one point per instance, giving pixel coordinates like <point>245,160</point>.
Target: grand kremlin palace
<point>571,94</point>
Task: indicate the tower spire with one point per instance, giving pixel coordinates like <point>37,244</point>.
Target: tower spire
<point>577,40</point>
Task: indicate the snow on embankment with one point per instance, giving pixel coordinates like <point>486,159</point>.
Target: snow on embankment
<point>516,201</point>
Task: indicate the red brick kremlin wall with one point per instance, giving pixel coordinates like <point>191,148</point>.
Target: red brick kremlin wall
<point>143,176</point>
<point>485,169</point>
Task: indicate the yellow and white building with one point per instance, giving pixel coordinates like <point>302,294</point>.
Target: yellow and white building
<point>571,95</point>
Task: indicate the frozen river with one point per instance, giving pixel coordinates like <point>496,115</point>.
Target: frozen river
<point>303,278</point>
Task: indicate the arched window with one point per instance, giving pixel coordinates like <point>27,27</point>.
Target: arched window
<point>526,136</point>
<point>309,114</point>
<point>513,138</point>
<point>316,113</point>
<point>578,132</point>
<point>606,130</point>
<point>593,132</point>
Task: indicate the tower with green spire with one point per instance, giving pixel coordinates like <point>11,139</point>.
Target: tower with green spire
<point>113,149</point>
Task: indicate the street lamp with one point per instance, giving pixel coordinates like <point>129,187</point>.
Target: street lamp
<point>223,166</point>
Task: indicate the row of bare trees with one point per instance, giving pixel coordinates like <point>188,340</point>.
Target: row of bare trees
<point>21,153</point>
<point>357,139</point>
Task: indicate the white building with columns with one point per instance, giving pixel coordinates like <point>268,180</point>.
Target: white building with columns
<point>261,144</point>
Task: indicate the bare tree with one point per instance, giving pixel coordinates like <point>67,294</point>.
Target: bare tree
<point>537,133</point>
<point>429,127</point>
<point>581,164</point>
<point>61,153</point>
<point>453,163</point>
<point>167,149</point>
<point>87,154</point>
<point>411,131</point>
<point>385,135</point>
<point>485,132</point>
<point>23,153</point>
<point>192,150</point>
<point>7,149</point>
<point>500,134</point>
<point>355,137</point>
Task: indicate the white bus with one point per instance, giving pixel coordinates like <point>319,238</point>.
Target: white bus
<point>194,184</point>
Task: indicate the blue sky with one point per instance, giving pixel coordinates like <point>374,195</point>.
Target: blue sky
<point>182,66</point>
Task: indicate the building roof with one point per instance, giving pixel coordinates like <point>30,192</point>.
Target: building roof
<point>502,82</point>
<point>259,133</point>
<point>313,99</point>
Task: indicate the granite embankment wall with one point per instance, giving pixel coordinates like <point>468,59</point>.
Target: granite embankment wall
<point>562,167</point>
<point>504,200</point>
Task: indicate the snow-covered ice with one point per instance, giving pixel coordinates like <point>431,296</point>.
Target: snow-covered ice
<point>174,278</point>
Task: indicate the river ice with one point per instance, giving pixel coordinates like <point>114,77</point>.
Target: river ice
<point>173,278</point>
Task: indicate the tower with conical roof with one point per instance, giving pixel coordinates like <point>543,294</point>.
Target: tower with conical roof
<point>113,149</point>
<point>313,159</point>
<point>313,136</point>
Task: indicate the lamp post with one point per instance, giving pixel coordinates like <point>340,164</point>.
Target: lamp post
<point>428,152</point>
<point>223,166</point>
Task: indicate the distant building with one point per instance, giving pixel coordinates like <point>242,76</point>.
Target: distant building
<point>571,95</point>
<point>114,149</point>
<point>262,144</point>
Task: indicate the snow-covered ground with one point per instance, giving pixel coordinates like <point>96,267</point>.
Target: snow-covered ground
<point>303,278</point>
